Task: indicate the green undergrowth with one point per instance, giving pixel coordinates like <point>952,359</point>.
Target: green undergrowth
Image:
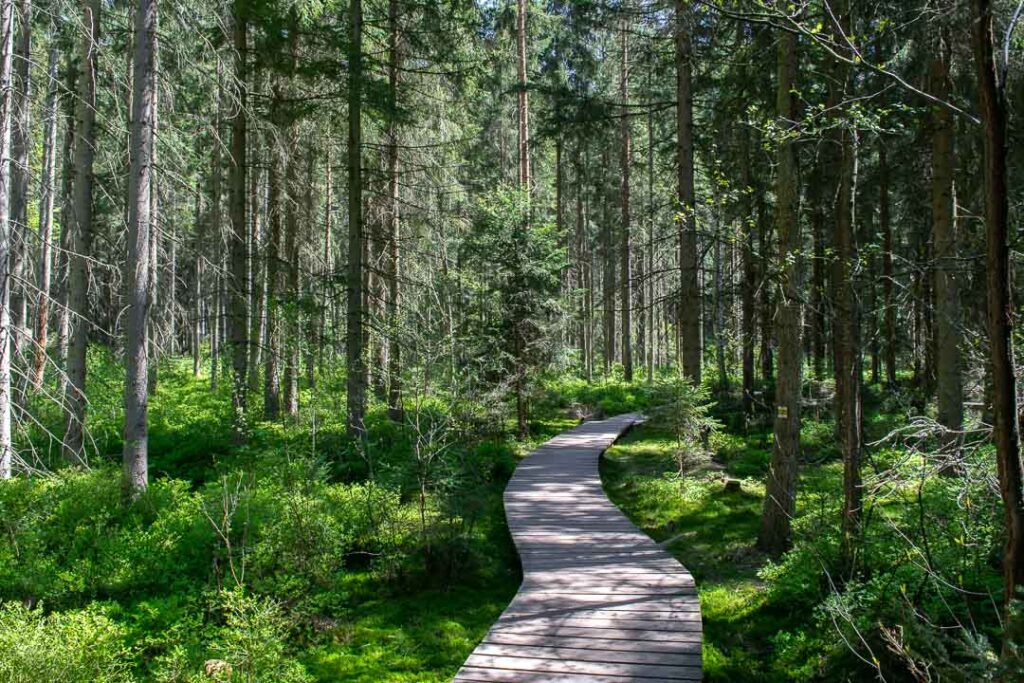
<point>793,618</point>
<point>283,560</point>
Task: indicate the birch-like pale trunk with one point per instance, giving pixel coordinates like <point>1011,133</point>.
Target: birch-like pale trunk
<point>6,50</point>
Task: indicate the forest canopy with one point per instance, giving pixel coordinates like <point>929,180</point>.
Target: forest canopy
<point>288,287</point>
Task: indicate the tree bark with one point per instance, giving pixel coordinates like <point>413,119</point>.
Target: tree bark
<point>197,282</point>
<point>238,300</point>
<point>523,101</point>
<point>66,230</point>
<point>888,274</point>
<point>948,339</point>
<point>21,145</point>
<point>271,341</point>
<point>293,341</point>
<point>846,332</point>
<point>135,475</point>
<point>217,240</point>
<point>626,293</point>
<point>354,351</point>
<point>780,488</point>
<point>992,96</point>
<point>6,103</point>
<point>393,273</point>
<point>46,204</point>
<point>749,293</point>
<point>690,305</point>
<point>81,239</point>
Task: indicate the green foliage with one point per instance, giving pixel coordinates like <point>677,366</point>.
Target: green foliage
<point>252,640</point>
<point>925,600</point>
<point>76,646</point>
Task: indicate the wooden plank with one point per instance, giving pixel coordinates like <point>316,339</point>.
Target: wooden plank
<point>579,654</point>
<point>556,666</point>
<point>600,602</point>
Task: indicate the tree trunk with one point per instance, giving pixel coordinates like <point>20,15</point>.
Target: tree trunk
<point>217,241</point>
<point>393,235</point>
<point>992,96</point>
<point>690,305</point>
<point>819,181</point>
<point>257,278</point>
<point>947,295</point>
<point>627,257</point>
<point>152,328</point>
<point>846,329</point>
<point>135,477</point>
<point>292,337</point>
<point>81,237</point>
<point>21,145</point>
<point>238,300</point>
<point>764,239</point>
<point>6,102</point>
<point>272,339</point>
<point>46,203</point>
<point>197,283</point>
<point>885,224</point>
<point>523,102</point>
<point>66,230</point>
<point>748,230</point>
<point>354,351</point>
<point>780,488</point>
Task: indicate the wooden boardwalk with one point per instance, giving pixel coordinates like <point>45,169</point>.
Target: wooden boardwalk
<point>600,601</point>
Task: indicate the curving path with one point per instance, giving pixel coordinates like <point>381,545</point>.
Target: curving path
<point>600,601</point>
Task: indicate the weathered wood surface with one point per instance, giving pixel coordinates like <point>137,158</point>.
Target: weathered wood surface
<point>600,601</point>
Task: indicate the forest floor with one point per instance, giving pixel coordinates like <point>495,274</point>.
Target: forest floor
<point>347,579</point>
<point>766,620</point>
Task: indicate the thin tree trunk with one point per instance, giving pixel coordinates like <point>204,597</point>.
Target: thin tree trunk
<point>21,144</point>
<point>523,102</point>
<point>6,236</point>
<point>135,477</point>
<point>66,230</point>
<point>257,276</point>
<point>327,276</point>
<point>197,283</point>
<point>238,303</point>
<point>992,96</point>
<point>818,183</point>
<point>217,239</point>
<point>748,230</point>
<point>291,263</point>
<point>626,256</point>
<point>780,488</point>
<point>354,351</point>
<point>153,328</point>
<point>272,340</point>
<point>764,239</point>
<point>46,203</point>
<point>690,305</point>
<point>846,329</point>
<point>947,295</point>
<point>393,236</point>
<point>81,240</point>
